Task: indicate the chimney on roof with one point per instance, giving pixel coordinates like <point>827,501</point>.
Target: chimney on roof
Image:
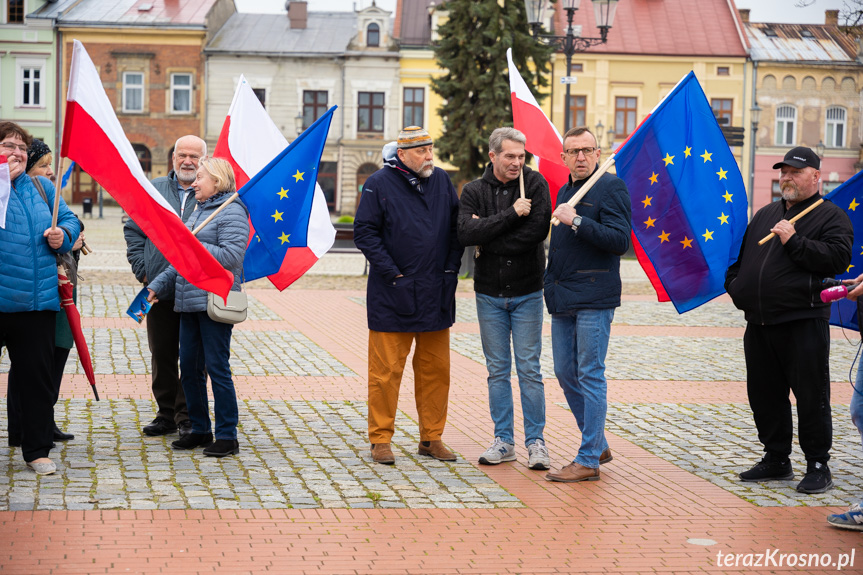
<point>831,17</point>
<point>298,14</point>
<point>744,15</point>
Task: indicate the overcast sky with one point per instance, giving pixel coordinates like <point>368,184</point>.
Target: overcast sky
<point>786,11</point>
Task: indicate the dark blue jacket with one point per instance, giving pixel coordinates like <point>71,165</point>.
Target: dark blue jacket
<point>584,268</point>
<point>406,225</point>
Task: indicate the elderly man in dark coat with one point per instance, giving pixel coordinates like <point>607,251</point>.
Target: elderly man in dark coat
<point>406,228</point>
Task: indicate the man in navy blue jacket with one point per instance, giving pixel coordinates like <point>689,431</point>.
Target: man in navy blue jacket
<point>406,227</point>
<point>582,288</point>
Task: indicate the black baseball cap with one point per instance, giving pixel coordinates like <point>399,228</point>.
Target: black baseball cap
<point>800,157</point>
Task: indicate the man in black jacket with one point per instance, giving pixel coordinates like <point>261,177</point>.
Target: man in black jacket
<point>163,323</point>
<point>508,231</point>
<point>787,339</point>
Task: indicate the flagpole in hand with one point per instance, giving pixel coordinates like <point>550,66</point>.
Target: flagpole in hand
<point>521,182</point>
<point>587,185</point>
<point>213,215</point>
<point>771,235</point>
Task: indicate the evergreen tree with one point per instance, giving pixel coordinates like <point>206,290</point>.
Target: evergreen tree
<point>475,88</point>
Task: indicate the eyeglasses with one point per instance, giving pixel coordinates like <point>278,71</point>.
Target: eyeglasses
<point>12,147</point>
<point>573,152</point>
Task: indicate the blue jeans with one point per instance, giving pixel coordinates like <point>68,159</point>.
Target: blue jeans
<point>579,342</point>
<point>520,317</point>
<point>857,400</point>
<point>205,343</point>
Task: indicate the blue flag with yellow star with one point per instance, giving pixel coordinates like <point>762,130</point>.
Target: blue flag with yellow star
<point>689,206</point>
<point>849,197</point>
<point>279,199</point>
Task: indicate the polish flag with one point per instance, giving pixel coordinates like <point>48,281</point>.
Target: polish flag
<point>543,139</point>
<point>5,190</point>
<point>249,140</point>
<point>93,137</point>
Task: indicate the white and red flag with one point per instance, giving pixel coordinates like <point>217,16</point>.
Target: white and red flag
<point>5,190</point>
<point>93,137</point>
<point>250,140</point>
<point>543,139</point>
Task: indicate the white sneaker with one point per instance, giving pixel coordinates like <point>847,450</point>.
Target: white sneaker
<point>43,466</point>
<point>538,455</point>
<point>498,453</point>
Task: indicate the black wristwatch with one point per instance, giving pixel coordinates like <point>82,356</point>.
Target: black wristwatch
<point>576,221</point>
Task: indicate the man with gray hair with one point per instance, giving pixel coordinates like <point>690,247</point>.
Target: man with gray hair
<point>163,323</point>
<point>508,226</point>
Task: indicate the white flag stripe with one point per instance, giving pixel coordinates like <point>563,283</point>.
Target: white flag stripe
<point>5,191</point>
<point>252,152</point>
<point>85,88</point>
<point>522,92</point>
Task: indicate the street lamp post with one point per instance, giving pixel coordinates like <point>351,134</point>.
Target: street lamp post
<point>570,44</point>
<point>754,117</point>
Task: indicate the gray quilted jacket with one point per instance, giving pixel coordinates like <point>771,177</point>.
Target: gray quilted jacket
<point>225,237</point>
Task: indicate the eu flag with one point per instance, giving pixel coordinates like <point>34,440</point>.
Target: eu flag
<point>279,199</point>
<point>689,206</point>
<point>849,197</point>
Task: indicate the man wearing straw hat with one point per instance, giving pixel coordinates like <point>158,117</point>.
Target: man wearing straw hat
<point>505,214</point>
<point>406,228</point>
<point>163,323</point>
<point>777,284</point>
<point>582,288</point>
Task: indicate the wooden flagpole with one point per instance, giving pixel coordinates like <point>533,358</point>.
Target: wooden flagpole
<point>771,235</point>
<point>587,185</point>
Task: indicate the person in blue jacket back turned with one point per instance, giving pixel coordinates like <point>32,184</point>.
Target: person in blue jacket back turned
<point>406,228</point>
<point>29,300</point>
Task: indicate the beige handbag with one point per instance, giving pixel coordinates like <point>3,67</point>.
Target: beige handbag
<point>234,311</point>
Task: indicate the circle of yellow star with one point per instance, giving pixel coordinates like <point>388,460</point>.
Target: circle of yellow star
<point>298,176</point>
<point>687,152</point>
<point>663,237</point>
<point>649,223</point>
<point>284,193</point>
<point>285,237</point>
<point>707,235</point>
<point>723,219</point>
<point>853,205</point>
<point>646,201</point>
<point>721,173</point>
<point>687,243</point>
<point>668,159</point>
<point>653,179</point>
<point>707,156</point>
<point>727,196</point>
<point>277,217</point>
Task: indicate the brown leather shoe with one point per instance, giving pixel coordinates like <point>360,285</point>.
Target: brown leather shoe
<point>605,456</point>
<point>573,473</point>
<point>435,449</point>
<point>383,453</point>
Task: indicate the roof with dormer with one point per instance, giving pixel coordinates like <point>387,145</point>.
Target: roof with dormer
<point>161,13</point>
<point>811,43</point>
<point>326,33</point>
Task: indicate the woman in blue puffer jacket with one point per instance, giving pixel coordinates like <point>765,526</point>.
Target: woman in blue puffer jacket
<point>29,300</point>
<point>205,343</point>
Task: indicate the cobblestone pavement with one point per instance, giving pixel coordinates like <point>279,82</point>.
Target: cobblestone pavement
<point>293,454</point>
<point>717,441</point>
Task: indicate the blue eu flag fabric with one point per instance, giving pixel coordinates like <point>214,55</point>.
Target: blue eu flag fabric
<point>279,199</point>
<point>849,197</point>
<point>689,206</point>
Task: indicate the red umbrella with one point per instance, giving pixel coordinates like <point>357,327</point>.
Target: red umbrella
<point>66,287</point>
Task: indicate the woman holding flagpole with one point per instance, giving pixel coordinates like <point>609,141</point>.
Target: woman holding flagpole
<point>205,343</point>
<point>29,299</point>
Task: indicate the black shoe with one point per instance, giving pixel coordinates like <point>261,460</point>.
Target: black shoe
<point>769,470</point>
<point>193,440</point>
<point>60,435</point>
<point>160,427</point>
<point>184,427</point>
<point>222,447</point>
<point>817,479</point>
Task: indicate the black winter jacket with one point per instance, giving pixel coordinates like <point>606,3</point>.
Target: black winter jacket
<point>511,258</point>
<point>773,283</point>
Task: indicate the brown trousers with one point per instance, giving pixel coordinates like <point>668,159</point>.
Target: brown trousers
<point>388,352</point>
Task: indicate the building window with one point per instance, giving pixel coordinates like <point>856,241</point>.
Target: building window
<point>786,117</point>
<point>775,191</point>
<point>133,92</point>
<point>31,82</point>
<point>370,112</point>
<point>722,110</point>
<point>327,177</point>
<point>723,70</point>
<point>314,106</point>
<point>577,67</point>
<point>144,157</point>
<point>414,107</point>
<point>624,115</point>
<point>181,93</point>
<point>373,35</point>
<point>15,11</point>
<point>834,131</point>
<point>261,95</point>
<point>577,111</point>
